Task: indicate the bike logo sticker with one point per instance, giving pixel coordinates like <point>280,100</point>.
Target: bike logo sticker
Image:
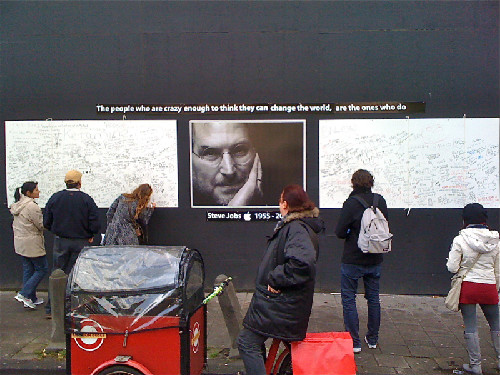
<point>195,337</point>
<point>91,336</point>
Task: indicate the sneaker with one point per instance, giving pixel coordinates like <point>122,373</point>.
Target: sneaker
<point>371,346</point>
<point>18,297</point>
<point>29,303</point>
<point>26,301</point>
<point>356,350</point>
<point>38,301</point>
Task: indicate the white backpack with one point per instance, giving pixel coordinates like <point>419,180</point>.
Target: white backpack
<point>374,236</point>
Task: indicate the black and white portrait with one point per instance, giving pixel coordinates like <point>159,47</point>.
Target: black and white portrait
<point>240,163</point>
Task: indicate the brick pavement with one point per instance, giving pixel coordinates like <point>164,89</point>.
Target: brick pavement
<point>418,336</point>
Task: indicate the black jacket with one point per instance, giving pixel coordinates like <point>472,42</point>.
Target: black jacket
<point>71,214</point>
<point>349,225</point>
<point>288,265</point>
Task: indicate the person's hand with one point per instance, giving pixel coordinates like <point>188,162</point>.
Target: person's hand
<point>252,188</point>
<point>272,290</point>
<point>91,239</point>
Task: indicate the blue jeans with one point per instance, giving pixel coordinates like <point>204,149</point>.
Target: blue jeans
<point>34,270</point>
<point>351,273</point>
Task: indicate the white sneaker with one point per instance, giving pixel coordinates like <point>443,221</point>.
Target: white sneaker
<point>18,297</point>
<point>356,350</point>
<point>39,301</point>
<point>26,301</point>
<point>371,346</point>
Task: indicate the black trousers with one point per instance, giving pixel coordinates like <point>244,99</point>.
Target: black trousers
<point>66,250</point>
<point>65,253</point>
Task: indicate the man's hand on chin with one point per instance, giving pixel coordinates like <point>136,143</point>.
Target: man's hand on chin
<point>252,188</point>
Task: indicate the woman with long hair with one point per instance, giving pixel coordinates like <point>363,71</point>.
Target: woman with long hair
<point>128,216</point>
<point>29,241</point>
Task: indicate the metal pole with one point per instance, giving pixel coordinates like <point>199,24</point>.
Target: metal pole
<point>57,289</point>
<point>231,310</point>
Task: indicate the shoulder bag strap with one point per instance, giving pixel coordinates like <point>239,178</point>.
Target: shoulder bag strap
<point>473,264</point>
<point>361,200</point>
<point>364,203</point>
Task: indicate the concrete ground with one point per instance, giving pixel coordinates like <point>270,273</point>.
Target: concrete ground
<point>418,336</point>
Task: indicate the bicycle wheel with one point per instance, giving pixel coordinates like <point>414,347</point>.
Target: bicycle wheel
<point>286,365</point>
<point>120,370</point>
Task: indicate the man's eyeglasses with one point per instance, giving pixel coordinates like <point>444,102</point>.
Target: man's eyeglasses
<point>241,153</point>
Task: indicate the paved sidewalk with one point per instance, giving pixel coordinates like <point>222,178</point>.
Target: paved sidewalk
<point>418,336</point>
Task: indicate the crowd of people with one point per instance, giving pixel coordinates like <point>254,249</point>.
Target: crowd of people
<point>72,216</point>
<point>283,296</point>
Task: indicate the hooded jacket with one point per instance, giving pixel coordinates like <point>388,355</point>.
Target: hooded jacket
<point>28,228</point>
<point>469,243</point>
<point>288,265</point>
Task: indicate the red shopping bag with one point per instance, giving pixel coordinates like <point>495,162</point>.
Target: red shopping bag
<point>324,353</point>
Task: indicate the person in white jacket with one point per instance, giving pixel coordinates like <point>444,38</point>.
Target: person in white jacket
<point>477,248</point>
<point>29,242</point>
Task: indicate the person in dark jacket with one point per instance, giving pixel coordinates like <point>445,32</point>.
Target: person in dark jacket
<point>282,301</point>
<point>73,217</point>
<point>356,264</point>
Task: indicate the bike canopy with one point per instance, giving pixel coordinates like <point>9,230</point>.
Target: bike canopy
<point>136,283</point>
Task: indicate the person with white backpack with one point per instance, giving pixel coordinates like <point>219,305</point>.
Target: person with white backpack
<point>366,213</point>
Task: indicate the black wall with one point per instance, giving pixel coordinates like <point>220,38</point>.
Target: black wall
<point>59,59</point>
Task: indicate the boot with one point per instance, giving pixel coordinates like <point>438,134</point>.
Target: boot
<point>472,344</point>
<point>495,337</point>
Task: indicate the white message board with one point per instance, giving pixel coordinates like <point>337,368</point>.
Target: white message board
<point>416,163</point>
<point>114,156</point>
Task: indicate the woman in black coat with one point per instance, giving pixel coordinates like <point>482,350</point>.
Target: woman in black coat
<point>282,301</point>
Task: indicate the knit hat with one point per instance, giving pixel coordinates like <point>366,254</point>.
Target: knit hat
<point>474,213</point>
<point>73,177</point>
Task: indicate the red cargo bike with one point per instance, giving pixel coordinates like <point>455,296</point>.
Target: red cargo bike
<point>136,310</point>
